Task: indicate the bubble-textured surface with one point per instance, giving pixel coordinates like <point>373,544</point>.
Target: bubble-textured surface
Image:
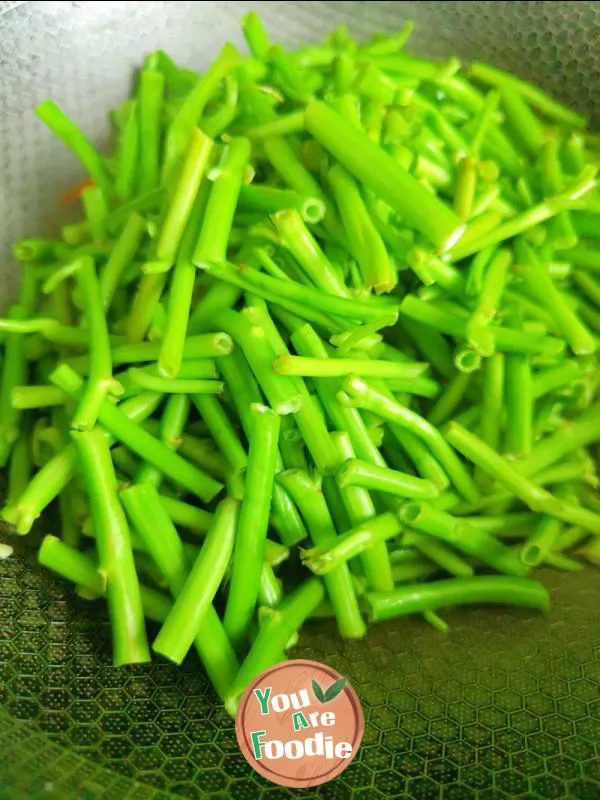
<point>507,705</point>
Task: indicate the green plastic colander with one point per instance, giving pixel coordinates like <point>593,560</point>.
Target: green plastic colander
<point>507,705</point>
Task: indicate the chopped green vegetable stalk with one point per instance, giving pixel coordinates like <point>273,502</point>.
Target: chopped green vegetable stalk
<point>339,585</point>
<point>455,592</point>
<point>147,510</point>
<point>142,443</point>
<point>370,164</point>
<point>14,373</point>
<point>307,262</point>
<point>100,380</point>
<point>357,391</point>
<point>127,155</point>
<point>360,473</point>
<point>184,195</point>
<point>537,498</point>
<point>187,618</point>
<point>248,555</point>
<point>274,635</point>
<point>121,257</point>
<point>470,540</point>
<point>60,124</point>
<point>222,202</point>
<point>114,549</point>
<point>172,425</point>
<point>56,474</point>
<point>150,107</point>
<point>359,540</point>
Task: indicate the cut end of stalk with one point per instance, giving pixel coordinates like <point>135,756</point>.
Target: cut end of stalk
<point>223,343</point>
<point>259,408</point>
<point>291,405</point>
<point>312,210</point>
<point>232,702</point>
<point>346,472</point>
<point>436,621</point>
<point>410,512</point>
<point>385,287</point>
<point>355,387</point>
<point>166,369</point>
<point>369,606</point>
<point>531,555</point>
<point>157,647</point>
<point>346,400</point>
<point>6,551</point>
<point>282,364</point>
<point>467,361</point>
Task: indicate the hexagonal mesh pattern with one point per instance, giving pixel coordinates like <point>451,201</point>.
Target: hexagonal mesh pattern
<point>506,706</point>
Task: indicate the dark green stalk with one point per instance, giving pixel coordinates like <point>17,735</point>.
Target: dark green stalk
<point>50,481</point>
<point>147,512</point>
<point>100,382</point>
<point>371,165</point>
<point>150,101</point>
<point>14,373</point>
<point>339,585</point>
<point>191,612</point>
<point>181,129</point>
<point>114,548</point>
<point>127,156</point>
<point>220,209</point>
<point>460,535</point>
<point>248,554</point>
<point>66,130</point>
<point>121,256</point>
<point>274,635</point>
<point>457,591</point>
<point>360,509</point>
<point>141,442</point>
<point>21,465</point>
<point>357,391</point>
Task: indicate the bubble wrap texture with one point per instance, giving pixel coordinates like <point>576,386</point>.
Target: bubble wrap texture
<point>505,706</point>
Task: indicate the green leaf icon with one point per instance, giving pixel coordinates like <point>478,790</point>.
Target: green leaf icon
<point>333,691</point>
<point>318,692</point>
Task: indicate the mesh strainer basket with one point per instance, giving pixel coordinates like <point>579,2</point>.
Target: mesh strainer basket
<point>506,706</point>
